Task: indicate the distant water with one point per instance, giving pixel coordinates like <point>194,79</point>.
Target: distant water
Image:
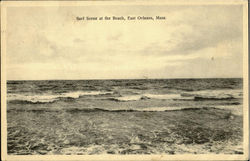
<point>125,95</point>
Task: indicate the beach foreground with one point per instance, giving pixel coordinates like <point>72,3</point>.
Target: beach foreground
<point>194,131</point>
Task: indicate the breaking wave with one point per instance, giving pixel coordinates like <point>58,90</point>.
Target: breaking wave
<point>49,98</point>
<point>204,95</point>
<point>214,95</point>
<point>185,96</point>
<point>149,96</point>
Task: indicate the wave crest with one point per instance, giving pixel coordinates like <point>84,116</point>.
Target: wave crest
<point>49,98</point>
<point>112,96</point>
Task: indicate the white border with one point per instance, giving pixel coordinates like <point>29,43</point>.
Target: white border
<point>6,4</point>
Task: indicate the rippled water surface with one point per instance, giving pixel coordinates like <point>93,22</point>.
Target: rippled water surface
<point>146,116</point>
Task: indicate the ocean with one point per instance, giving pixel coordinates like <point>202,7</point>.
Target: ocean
<point>130,116</point>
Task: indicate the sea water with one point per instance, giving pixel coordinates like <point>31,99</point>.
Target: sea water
<point>144,116</point>
<point>111,95</point>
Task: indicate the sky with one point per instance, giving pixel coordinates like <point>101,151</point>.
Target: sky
<point>193,42</point>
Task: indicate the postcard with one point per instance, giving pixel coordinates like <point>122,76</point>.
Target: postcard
<point>124,80</point>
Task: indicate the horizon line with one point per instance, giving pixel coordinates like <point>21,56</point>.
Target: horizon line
<point>124,78</point>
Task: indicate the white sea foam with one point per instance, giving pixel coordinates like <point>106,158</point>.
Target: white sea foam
<point>152,96</point>
<point>219,94</point>
<point>167,96</point>
<point>205,94</point>
<point>46,98</point>
<point>32,98</point>
<point>128,98</point>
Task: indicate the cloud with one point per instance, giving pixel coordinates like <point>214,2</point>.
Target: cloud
<point>195,30</point>
<point>115,37</point>
<point>77,49</point>
<point>77,40</point>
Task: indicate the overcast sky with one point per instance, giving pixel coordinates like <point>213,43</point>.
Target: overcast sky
<point>193,42</point>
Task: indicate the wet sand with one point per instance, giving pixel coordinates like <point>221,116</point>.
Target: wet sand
<point>193,131</point>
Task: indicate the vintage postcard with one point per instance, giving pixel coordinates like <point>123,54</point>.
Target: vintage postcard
<point>124,80</point>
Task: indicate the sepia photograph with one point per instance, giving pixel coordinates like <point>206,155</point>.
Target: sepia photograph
<point>124,79</point>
